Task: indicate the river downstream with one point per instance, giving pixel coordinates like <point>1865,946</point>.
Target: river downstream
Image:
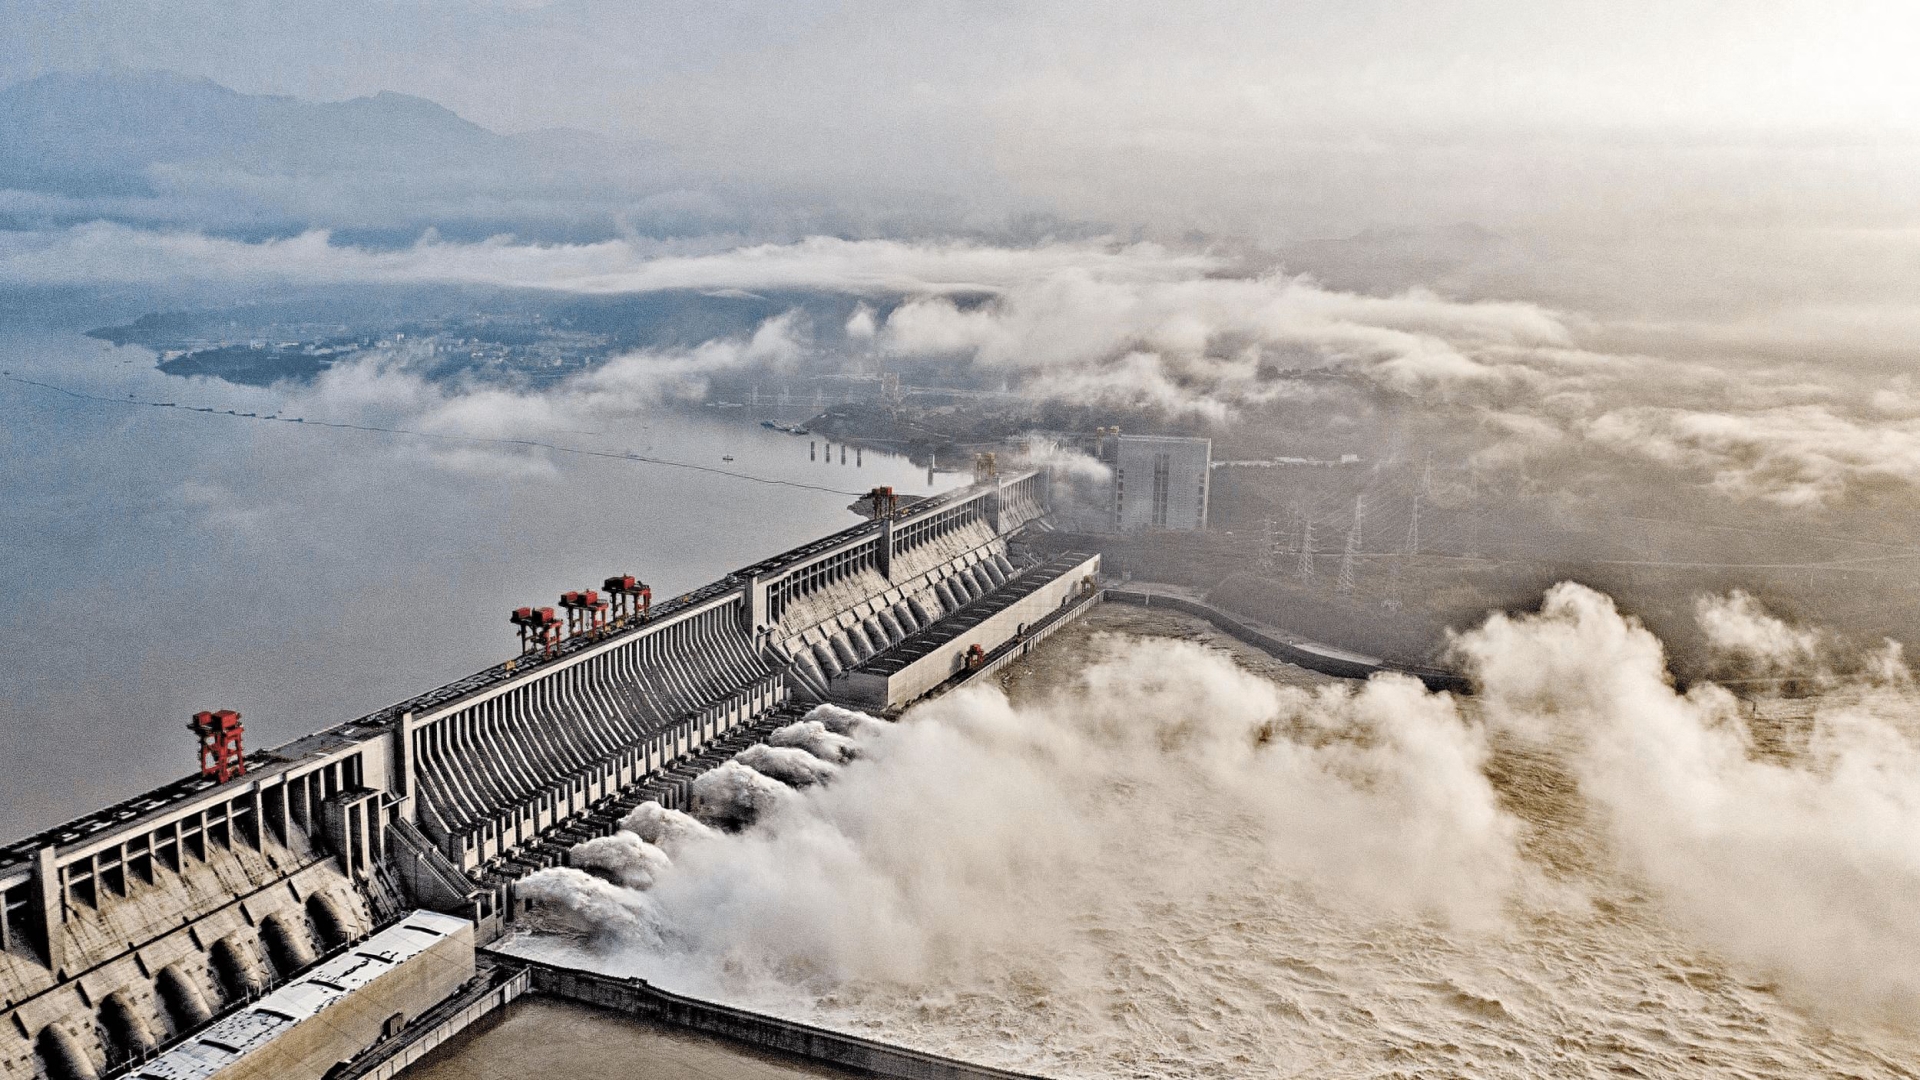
<point>1111,882</point>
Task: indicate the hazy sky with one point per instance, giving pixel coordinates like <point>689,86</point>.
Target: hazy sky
<point>1271,120</point>
<point>1703,245</point>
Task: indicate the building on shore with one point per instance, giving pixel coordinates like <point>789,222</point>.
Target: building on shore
<point>1159,481</point>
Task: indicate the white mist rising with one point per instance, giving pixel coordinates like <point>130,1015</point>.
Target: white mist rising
<point>735,795</point>
<point>1174,866</point>
<point>978,832</point>
<point>622,858</point>
<point>817,739</point>
<point>1806,867</point>
<point>670,830</point>
<point>787,764</point>
<point>575,901</point>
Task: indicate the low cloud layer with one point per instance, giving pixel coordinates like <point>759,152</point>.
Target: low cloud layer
<point>1196,334</point>
<point>104,253</point>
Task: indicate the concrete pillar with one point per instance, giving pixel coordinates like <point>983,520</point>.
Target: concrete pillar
<point>126,1024</point>
<point>993,506</point>
<point>403,763</point>
<point>884,549</point>
<point>753,611</point>
<point>289,946</point>
<point>259,819</point>
<point>281,809</point>
<point>233,957</point>
<point>49,910</point>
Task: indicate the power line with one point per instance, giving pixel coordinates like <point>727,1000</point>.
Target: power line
<point>441,436</point>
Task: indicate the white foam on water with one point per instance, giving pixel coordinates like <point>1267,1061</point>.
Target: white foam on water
<point>788,764</point>
<point>1173,867</point>
<point>817,739</point>
<point>571,901</point>
<point>622,858</point>
<point>843,721</point>
<point>670,830</point>
<point>734,795</point>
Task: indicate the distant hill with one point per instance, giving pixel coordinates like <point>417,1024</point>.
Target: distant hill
<point>157,147</point>
<point>117,131</point>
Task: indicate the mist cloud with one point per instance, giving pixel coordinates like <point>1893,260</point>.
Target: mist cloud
<point>1805,867</point>
<point>982,851</point>
<point>1191,334</point>
<point>961,833</point>
<point>1740,629</point>
<point>984,848</point>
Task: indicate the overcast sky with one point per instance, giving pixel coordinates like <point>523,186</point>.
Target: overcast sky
<point>1269,120</point>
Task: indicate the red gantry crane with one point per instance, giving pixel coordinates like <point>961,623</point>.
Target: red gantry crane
<point>221,756</point>
<point>586,611</point>
<point>539,629</point>
<point>631,598</point>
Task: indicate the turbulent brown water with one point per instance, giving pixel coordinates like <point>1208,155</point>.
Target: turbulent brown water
<point>1158,854</point>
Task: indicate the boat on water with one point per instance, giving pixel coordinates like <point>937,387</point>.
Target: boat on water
<point>726,457</point>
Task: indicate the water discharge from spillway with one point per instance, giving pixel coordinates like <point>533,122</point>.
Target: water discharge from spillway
<point>1172,866</point>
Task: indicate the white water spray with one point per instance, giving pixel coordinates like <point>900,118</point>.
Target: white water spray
<point>670,830</point>
<point>734,795</point>
<point>622,858</point>
<point>788,764</point>
<point>815,738</point>
<point>1173,867</point>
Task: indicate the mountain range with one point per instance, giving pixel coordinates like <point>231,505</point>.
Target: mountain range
<point>160,147</point>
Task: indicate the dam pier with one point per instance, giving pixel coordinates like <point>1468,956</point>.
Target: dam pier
<point>285,911</point>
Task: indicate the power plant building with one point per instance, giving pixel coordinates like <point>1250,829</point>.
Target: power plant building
<point>1159,481</point>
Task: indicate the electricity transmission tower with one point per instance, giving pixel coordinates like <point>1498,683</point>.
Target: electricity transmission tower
<point>1399,564</point>
<point>1353,544</point>
<point>1306,546</point>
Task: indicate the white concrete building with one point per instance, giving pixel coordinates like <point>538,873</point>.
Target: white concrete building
<point>1159,481</point>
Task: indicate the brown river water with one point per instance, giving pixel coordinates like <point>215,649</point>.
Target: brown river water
<point>1154,852</point>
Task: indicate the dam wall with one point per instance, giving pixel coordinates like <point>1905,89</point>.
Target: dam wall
<point>133,926</point>
<point>637,997</point>
<point>126,931</point>
<point>1326,659</point>
<point>920,663</point>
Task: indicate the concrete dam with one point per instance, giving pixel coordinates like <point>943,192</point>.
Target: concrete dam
<point>197,930</point>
